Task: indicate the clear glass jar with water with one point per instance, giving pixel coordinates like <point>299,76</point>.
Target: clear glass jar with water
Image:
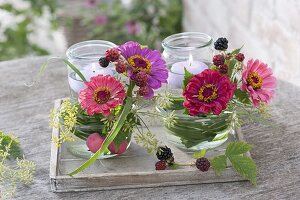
<point>85,56</point>
<point>191,51</point>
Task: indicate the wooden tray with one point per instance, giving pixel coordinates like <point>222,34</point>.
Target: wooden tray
<point>134,169</point>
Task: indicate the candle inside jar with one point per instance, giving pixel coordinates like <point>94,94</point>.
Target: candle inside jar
<point>176,76</point>
<point>88,72</point>
<point>93,70</point>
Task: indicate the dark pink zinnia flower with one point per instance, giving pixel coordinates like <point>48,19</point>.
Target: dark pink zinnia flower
<point>207,92</point>
<point>103,93</point>
<point>148,61</point>
<point>258,81</point>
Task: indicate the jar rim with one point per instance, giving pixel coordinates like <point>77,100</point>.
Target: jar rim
<point>71,51</point>
<point>166,42</point>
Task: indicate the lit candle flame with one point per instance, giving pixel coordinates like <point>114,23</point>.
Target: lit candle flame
<point>190,60</point>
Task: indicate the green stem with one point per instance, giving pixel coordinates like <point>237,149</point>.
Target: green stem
<point>180,164</point>
<point>74,68</point>
<point>130,89</point>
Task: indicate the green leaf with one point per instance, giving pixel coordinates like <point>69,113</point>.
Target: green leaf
<point>236,51</point>
<point>214,67</point>
<point>14,150</point>
<point>187,77</point>
<point>75,69</point>
<point>199,154</point>
<point>219,164</point>
<point>231,63</point>
<point>242,96</point>
<point>245,166</point>
<point>115,130</point>
<point>45,64</point>
<point>237,148</point>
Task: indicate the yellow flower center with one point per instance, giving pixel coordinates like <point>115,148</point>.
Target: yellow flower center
<point>139,63</point>
<point>208,93</point>
<point>102,95</point>
<point>254,80</point>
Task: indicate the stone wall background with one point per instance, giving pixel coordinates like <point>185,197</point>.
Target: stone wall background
<point>268,28</point>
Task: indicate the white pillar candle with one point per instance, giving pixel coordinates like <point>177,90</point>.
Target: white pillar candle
<point>176,74</point>
<point>88,72</point>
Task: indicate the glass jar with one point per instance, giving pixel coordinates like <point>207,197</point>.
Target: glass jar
<point>180,46</point>
<point>190,50</point>
<point>85,56</point>
<point>194,133</point>
<point>88,125</point>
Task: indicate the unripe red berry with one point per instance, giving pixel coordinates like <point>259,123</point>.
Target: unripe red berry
<point>112,55</point>
<point>121,67</point>
<point>218,60</point>
<point>143,91</point>
<point>240,57</point>
<point>223,69</point>
<point>161,165</point>
<point>141,79</point>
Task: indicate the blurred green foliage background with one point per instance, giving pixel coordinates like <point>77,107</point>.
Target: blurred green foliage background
<point>145,21</point>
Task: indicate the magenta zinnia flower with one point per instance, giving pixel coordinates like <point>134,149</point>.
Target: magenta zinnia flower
<point>103,93</point>
<point>207,92</point>
<point>148,61</point>
<point>258,81</point>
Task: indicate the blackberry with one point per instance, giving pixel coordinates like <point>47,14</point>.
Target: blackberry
<point>103,62</point>
<point>218,60</point>
<point>171,160</point>
<point>112,54</point>
<point>221,44</point>
<point>202,164</point>
<point>223,69</point>
<point>164,153</point>
<point>161,165</point>
<point>240,57</point>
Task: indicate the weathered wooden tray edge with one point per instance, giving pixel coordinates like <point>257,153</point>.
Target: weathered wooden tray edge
<point>60,183</point>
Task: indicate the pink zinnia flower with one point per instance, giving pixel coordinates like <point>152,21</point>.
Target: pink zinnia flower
<point>101,20</point>
<point>133,28</point>
<point>103,93</point>
<point>207,92</point>
<point>91,3</point>
<point>146,61</point>
<point>258,81</point>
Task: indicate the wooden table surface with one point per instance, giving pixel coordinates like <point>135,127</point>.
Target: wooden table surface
<point>25,111</point>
